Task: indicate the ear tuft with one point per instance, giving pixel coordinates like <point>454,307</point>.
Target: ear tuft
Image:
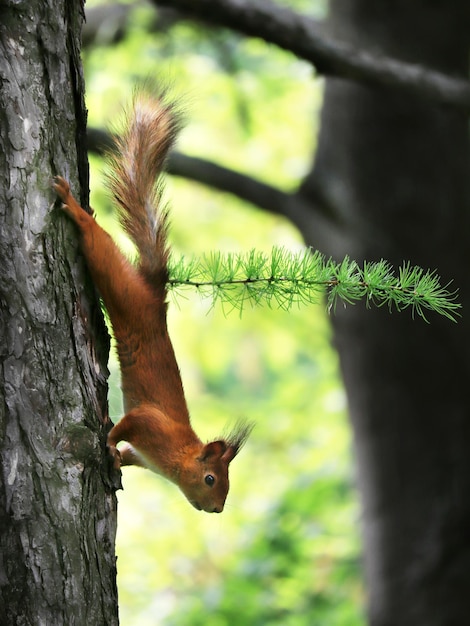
<point>236,439</point>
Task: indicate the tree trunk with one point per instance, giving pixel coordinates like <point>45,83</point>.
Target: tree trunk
<point>57,503</point>
<point>395,172</point>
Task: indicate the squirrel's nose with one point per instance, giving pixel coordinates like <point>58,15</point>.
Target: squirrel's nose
<point>218,509</point>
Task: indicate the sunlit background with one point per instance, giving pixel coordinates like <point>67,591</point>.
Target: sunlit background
<point>286,548</point>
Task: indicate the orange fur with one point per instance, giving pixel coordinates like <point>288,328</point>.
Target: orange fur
<point>156,427</point>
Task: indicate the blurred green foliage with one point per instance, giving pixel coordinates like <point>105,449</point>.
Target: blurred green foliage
<point>286,548</point>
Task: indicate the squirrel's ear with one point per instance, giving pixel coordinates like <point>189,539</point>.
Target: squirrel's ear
<point>229,454</point>
<point>228,448</point>
<point>214,448</point>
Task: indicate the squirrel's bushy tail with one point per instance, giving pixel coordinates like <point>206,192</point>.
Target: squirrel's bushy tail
<point>149,131</point>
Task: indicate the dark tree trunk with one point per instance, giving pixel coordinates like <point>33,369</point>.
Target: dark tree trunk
<point>395,172</point>
<point>57,506</point>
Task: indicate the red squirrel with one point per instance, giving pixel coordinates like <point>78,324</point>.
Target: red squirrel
<point>156,426</point>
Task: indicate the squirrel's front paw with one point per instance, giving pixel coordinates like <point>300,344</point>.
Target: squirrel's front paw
<point>116,456</point>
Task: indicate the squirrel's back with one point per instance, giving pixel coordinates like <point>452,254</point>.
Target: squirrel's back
<point>136,163</point>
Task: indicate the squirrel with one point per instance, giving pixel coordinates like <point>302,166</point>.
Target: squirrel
<point>156,428</point>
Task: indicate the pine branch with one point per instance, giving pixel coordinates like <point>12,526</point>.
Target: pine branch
<point>284,279</point>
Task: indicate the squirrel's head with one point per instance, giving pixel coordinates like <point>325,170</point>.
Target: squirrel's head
<point>204,480</point>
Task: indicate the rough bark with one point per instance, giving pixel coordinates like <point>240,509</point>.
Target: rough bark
<point>395,171</point>
<point>57,503</point>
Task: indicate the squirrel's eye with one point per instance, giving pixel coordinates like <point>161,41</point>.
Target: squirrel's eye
<point>209,480</point>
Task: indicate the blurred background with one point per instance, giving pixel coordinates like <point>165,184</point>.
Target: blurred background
<point>286,548</point>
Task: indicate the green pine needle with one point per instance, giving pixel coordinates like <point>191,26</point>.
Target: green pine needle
<point>285,279</point>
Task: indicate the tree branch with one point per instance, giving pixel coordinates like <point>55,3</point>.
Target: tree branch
<point>297,33</point>
<point>224,179</point>
<point>108,23</point>
<point>309,215</point>
<point>105,23</point>
<point>206,172</point>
